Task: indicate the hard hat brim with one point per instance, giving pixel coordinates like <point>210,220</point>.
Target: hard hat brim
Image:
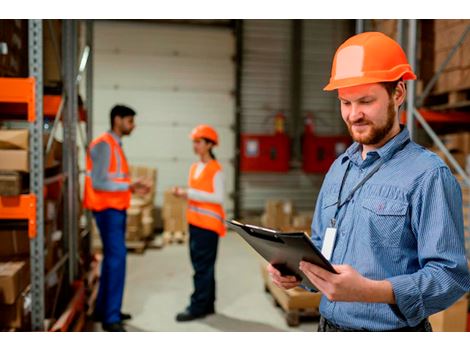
<point>358,81</point>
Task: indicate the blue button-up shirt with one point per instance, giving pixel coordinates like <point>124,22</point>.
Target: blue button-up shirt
<point>404,225</point>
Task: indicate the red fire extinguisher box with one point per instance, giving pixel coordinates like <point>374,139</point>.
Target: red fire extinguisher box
<point>265,153</point>
<point>319,152</point>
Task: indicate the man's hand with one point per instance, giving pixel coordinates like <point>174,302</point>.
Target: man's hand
<point>180,192</point>
<point>348,285</point>
<point>285,282</point>
<point>141,186</point>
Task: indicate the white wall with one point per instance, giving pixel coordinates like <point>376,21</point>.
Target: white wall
<point>175,77</point>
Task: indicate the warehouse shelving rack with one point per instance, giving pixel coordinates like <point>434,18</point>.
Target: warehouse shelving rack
<point>30,207</point>
<point>414,104</point>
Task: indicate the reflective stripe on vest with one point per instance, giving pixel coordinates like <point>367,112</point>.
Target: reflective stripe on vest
<point>206,212</point>
<point>208,216</point>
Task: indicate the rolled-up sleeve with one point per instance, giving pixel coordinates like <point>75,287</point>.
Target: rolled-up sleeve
<point>437,222</point>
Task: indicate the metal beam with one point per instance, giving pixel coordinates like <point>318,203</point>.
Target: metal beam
<point>70,162</point>
<point>238,115</point>
<point>412,36</point>
<point>36,177</point>
<point>296,88</point>
<point>89,81</point>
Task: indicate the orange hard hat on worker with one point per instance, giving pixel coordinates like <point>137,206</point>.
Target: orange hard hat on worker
<point>369,57</point>
<point>205,131</point>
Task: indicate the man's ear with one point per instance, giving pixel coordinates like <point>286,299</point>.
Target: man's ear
<point>400,93</point>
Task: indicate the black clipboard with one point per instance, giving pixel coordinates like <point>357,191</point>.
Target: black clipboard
<point>283,250</point>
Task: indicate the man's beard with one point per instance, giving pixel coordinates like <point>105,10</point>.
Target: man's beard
<point>376,133</point>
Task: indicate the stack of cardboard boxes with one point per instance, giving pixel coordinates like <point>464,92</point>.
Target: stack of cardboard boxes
<point>458,145</point>
<point>14,279</point>
<point>141,213</point>
<point>14,240</point>
<point>281,215</point>
<point>140,216</point>
<point>456,75</point>
<point>175,226</point>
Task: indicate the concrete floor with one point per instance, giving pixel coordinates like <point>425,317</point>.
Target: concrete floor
<point>159,283</point>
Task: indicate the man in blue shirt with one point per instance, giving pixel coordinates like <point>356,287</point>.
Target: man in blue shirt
<point>389,213</point>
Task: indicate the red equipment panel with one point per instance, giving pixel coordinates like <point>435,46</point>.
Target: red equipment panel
<point>265,153</point>
<point>319,152</point>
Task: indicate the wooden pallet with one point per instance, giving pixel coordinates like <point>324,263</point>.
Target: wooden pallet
<point>449,100</point>
<point>136,246</point>
<point>175,237</point>
<point>156,242</point>
<point>297,303</point>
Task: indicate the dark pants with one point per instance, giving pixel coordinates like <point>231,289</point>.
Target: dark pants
<point>112,226</point>
<point>327,326</point>
<point>203,252</point>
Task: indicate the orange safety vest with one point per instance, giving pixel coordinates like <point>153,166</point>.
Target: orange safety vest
<point>118,171</point>
<point>208,216</point>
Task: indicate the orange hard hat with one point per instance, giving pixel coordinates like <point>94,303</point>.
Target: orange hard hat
<point>205,131</point>
<point>369,57</point>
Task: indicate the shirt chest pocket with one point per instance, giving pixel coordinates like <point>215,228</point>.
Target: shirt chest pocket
<point>381,221</point>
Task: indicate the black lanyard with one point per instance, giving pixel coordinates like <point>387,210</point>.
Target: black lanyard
<point>339,205</point>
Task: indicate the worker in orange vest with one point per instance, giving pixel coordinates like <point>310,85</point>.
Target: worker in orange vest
<point>108,189</point>
<point>205,217</point>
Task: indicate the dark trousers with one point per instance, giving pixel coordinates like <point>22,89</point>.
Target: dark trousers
<point>327,326</point>
<point>112,226</point>
<point>203,252</point>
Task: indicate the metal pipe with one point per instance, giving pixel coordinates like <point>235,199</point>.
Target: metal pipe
<point>400,31</point>
<point>411,84</point>
<point>441,146</point>
<point>359,26</point>
<point>441,68</point>
<point>238,115</point>
<point>70,154</point>
<point>296,89</point>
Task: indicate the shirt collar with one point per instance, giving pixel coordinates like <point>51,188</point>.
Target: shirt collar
<point>115,136</point>
<point>385,152</point>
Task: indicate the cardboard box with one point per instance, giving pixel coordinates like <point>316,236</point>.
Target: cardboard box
<point>147,226</point>
<point>14,160</point>
<point>14,277</point>
<point>453,319</point>
<point>14,242</point>
<point>11,183</point>
<point>174,212</point>
<point>14,139</point>
<point>445,38</point>
<point>13,315</point>
<point>52,70</point>
<point>134,217</point>
<point>278,214</point>
<point>15,34</point>
<point>302,222</point>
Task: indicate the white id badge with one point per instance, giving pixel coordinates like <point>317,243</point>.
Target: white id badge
<point>329,242</point>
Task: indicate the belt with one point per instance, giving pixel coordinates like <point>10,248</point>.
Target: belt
<point>326,326</point>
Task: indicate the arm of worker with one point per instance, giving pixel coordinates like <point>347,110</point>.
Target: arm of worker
<point>100,155</point>
<point>438,224</point>
<point>216,197</point>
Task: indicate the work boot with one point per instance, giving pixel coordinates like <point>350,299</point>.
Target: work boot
<point>115,327</point>
<point>124,316</point>
<point>188,316</point>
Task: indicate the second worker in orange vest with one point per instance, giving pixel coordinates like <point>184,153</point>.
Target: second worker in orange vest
<point>205,217</point>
